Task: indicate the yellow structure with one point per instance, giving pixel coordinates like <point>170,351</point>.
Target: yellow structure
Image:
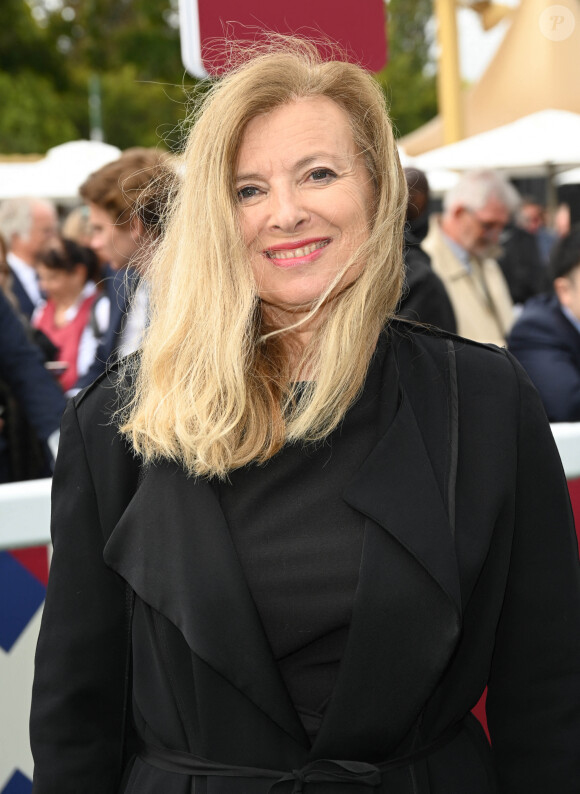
<point>489,13</point>
<point>448,74</point>
<point>536,67</point>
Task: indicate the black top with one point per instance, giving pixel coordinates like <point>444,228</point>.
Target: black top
<point>424,298</point>
<point>300,546</point>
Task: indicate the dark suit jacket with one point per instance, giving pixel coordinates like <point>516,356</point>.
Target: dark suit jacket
<point>119,289</point>
<point>521,263</point>
<point>22,367</point>
<point>548,346</point>
<point>33,402</point>
<point>469,577</point>
<point>26,305</point>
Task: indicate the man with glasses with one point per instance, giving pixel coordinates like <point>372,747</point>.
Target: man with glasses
<point>463,244</point>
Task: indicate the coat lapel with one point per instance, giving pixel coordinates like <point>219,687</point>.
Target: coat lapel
<point>406,617</point>
<point>173,547</point>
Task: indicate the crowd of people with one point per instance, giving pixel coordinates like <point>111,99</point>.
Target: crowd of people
<point>71,299</point>
<point>488,268</point>
<point>511,280</point>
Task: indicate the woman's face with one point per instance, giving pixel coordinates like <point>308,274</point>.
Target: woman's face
<point>305,201</point>
<point>113,242</point>
<point>60,285</point>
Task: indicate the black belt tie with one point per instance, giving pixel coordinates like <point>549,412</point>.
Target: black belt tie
<point>319,771</point>
<point>332,772</point>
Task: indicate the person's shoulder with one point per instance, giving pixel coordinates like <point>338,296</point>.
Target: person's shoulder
<point>541,315</point>
<point>106,393</point>
<point>473,359</point>
<point>488,380</point>
<point>431,337</point>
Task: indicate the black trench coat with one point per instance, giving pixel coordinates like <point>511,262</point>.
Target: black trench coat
<point>469,577</point>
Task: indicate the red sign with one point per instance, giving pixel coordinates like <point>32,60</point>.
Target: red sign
<point>358,28</point>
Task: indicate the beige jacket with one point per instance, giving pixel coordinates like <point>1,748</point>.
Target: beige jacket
<point>480,297</point>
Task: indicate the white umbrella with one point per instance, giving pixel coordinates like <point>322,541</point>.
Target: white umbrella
<point>440,180</point>
<point>59,175</point>
<point>536,145</point>
<point>568,177</point>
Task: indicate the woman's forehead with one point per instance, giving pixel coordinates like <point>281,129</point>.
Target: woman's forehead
<point>296,132</point>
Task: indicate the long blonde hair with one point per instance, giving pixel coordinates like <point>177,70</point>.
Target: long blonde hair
<point>213,388</point>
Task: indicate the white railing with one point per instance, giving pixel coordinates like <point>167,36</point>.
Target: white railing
<point>567,436</point>
<point>25,514</point>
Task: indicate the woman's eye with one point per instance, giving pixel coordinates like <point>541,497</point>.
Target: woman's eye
<point>322,175</point>
<point>248,192</point>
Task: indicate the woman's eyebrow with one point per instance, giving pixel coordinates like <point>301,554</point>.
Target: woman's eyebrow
<point>304,162</point>
<point>313,158</point>
<point>244,177</point>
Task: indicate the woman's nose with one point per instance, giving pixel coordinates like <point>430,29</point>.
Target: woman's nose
<point>287,210</point>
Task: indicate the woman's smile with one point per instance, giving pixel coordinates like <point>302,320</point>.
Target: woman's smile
<point>292,254</point>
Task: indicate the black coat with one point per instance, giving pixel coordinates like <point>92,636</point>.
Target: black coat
<point>120,287</point>
<point>548,347</point>
<point>469,576</point>
<point>424,297</point>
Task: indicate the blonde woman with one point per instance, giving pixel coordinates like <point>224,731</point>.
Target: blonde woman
<point>294,538</point>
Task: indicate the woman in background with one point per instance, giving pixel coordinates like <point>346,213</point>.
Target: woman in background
<point>70,316</point>
<point>77,226</point>
<point>294,539</point>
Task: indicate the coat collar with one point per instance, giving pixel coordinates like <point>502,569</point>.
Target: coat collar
<point>173,547</point>
<point>406,617</point>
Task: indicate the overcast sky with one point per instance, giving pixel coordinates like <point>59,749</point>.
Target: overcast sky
<point>477,47</point>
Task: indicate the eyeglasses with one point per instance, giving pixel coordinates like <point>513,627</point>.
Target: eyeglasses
<point>487,226</point>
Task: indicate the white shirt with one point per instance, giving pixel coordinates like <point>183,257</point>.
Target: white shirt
<point>89,340</point>
<point>26,274</point>
<point>135,321</point>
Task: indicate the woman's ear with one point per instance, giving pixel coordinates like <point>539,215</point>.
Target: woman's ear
<point>137,228</point>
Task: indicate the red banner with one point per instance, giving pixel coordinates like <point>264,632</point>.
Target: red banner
<point>357,28</point>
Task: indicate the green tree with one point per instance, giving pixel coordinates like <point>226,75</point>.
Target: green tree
<point>141,112</point>
<point>131,45</point>
<point>25,46</point>
<point>105,35</point>
<point>33,116</point>
<point>409,78</point>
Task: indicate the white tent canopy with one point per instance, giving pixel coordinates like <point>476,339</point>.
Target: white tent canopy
<point>536,145</point>
<point>568,177</point>
<point>440,180</point>
<point>57,176</point>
